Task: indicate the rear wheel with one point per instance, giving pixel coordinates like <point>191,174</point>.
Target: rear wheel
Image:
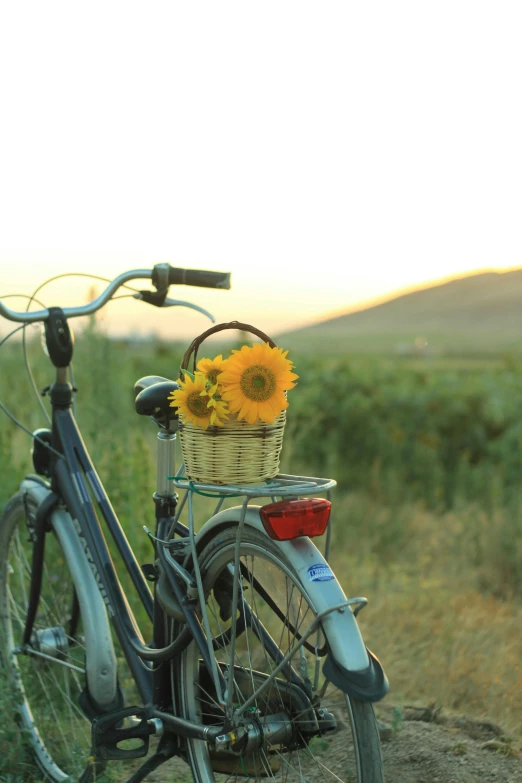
<point>301,727</point>
<point>45,690</point>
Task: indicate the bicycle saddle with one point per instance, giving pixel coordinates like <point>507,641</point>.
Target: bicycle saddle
<point>151,398</point>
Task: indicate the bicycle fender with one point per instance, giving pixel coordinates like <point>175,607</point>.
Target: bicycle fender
<point>349,665</point>
<point>101,665</point>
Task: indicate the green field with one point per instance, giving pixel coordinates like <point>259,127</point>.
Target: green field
<point>428,514</point>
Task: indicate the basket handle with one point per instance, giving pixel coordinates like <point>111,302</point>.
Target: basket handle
<point>194,345</point>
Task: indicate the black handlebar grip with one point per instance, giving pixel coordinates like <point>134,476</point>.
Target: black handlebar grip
<point>198,277</point>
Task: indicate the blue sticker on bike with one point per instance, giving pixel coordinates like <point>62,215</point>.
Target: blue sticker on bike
<point>320,573</point>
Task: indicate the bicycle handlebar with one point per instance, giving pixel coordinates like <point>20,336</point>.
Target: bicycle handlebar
<point>195,277</point>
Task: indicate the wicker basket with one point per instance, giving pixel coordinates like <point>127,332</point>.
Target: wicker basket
<point>237,452</point>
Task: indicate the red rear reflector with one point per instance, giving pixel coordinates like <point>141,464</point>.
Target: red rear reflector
<point>293,518</point>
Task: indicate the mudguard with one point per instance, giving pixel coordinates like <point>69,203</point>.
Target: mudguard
<point>101,665</point>
<point>349,665</point>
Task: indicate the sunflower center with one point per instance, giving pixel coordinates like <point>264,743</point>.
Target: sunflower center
<point>258,383</point>
<point>212,376</point>
<point>197,405</point>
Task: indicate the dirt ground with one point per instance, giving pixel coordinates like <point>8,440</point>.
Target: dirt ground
<point>427,745</point>
<point>423,745</point>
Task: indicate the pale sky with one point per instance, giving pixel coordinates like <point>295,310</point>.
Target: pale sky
<point>325,153</point>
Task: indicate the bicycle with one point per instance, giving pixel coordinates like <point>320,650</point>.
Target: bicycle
<point>256,667</point>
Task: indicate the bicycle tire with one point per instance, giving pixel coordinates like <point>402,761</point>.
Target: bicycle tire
<point>350,752</point>
<point>45,693</point>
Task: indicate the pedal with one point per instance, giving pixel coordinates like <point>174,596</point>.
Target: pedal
<point>107,734</point>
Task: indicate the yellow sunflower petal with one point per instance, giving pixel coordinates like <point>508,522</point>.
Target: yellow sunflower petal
<point>278,406</point>
<point>248,412</point>
<point>234,405</point>
<point>266,415</point>
<point>229,377</point>
<point>230,392</point>
<point>273,407</point>
<point>222,409</point>
<point>215,420</point>
<point>287,377</point>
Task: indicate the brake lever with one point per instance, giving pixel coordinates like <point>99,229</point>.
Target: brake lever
<point>158,299</point>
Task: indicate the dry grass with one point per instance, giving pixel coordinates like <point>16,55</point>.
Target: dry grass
<point>441,637</point>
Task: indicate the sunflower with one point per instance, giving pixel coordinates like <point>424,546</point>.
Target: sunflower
<point>196,405</point>
<point>254,381</point>
<point>211,368</point>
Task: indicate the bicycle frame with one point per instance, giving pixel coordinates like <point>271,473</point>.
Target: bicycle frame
<point>70,477</point>
<point>76,481</point>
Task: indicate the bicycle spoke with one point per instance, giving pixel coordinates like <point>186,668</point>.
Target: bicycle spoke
<point>269,663</point>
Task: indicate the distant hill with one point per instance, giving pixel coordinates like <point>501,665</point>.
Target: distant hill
<point>478,313</point>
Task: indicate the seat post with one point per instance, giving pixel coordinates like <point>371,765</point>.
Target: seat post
<point>166,464</point>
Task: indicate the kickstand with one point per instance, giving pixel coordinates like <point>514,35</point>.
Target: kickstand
<point>168,747</point>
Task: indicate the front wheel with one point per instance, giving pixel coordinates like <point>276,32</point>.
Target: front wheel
<point>301,727</point>
<point>47,684</point>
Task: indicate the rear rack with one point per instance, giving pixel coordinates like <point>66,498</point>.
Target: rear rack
<point>283,485</point>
